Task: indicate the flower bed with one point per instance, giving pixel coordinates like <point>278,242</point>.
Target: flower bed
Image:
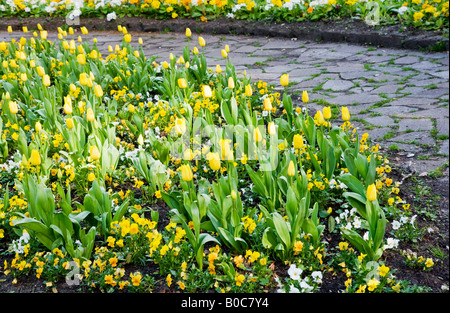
<point>430,15</point>
<point>212,181</point>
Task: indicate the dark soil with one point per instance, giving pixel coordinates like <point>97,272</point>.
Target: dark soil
<point>345,30</point>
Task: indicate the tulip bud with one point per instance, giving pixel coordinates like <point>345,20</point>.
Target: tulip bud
<point>257,135</point>
<point>271,128</point>
<point>188,155</point>
<point>69,123</point>
<point>81,59</point>
<point>186,173</point>
<point>372,192</point>
<point>267,104</point>
<point>326,113</point>
<point>224,53</point>
<point>140,140</point>
<point>13,107</point>
<point>38,126</point>
<point>35,158</point>
<point>98,91</point>
<point>305,97</point>
<point>94,153</point>
<point>284,80</point>
<point>90,115</point>
<point>201,41</point>
<point>207,93</point>
<point>68,105</point>
<point>298,141</point>
<point>188,32</point>
<point>345,114</point>
<point>233,194</point>
<point>248,91</point>
<point>291,169</point>
<point>214,161</point>
<point>218,69</point>
<point>180,126</point>
<point>231,83</point>
<point>182,83</point>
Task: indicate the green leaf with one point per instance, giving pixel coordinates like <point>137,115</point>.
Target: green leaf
<point>282,229</point>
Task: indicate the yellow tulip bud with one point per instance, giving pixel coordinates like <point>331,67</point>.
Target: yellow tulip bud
<point>305,97</point>
<point>38,126</point>
<point>68,105</point>
<point>248,91</point>
<point>233,194</point>
<point>271,128</point>
<point>186,173</point>
<point>319,118</point>
<point>13,107</point>
<point>69,123</point>
<point>81,59</point>
<point>188,32</point>
<point>98,91</point>
<point>201,41</point>
<point>10,29</point>
<point>257,135</point>
<point>127,38</point>
<point>140,140</point>
<point>218,69</point>
<point>165,65</point>
<point>231,83</point>
<point>214,161</point>
<point>195,51</point>
<point>188,155</point>
<point>298,141</point>
<point>284,80</point>
<point>35,158</point>
<point>326,113</point>
<point>345,114</point>
<point>227,48</point>
<point>182,83</point>
<point>94,153</point>
<point>84,78</point>
<point>372,192</point>
<point>224,53</point>
<point>180,126</point>
<point>90,115</point>
<point>84,30</point>
<point>40,71</point>
<point>206,91</point>
<point>267,104</point>
<point>291,169</point>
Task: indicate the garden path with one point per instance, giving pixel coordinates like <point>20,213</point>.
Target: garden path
<point>400,97</point>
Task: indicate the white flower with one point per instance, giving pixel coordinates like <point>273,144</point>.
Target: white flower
<point>111,16</point>
<point>402,10</point>
<point>357,223</point>
<point>293,289</point>
<point>305,287</point>
<point>391,243</point>
<point>396,225</point>
<point>317,276</point>
<point>295,272</point>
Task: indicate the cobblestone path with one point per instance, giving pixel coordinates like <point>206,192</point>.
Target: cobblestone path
<point>400,97</point>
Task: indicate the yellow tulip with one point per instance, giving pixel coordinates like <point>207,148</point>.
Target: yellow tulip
<point>131,108</point>
<point>298,141</point>
<point>98,91</point>
<point>372,192</point>
<point>127,38</point>
<point>69,123</point>
<point>84,78</point>
<point>345,114</point>
<point>284,80</point>
<point>227,48</point>
<point>319,118</point>
<point>305,97</point>
<point>180,126</point>
<point>35,158</point>
<point>140,140</point>
<point>188,155</point>
<point>231,83</point>
<point>248,91</point>
<point>291,169</point>
<point>84,30</point>
<point>214,161</point>
<point>201,41</point>
<point>224,53</point>
<point>267,104</point>
<point>271,128</point>
<point>188,32</point>
<point>182,83</point>
<point>206,91</point>
<point>218,69</point>
<point>94,153</point>
<point>90,115</point>
<point>40,71</point>
<point>326,113</point>
<point>195,51</point>
<point>165,65</point>
<point>81,59</point>
<point>68,105</point>
<point>38,126</point>
<point>25,29</point>
<point>13,107</point>
<point>186,173</point>
<point>44,34</point>
<point>10,29</point>
<point>257,135</point>
<point>233,194</point>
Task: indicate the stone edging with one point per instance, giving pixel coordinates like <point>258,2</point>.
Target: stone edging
<point>354,32</point>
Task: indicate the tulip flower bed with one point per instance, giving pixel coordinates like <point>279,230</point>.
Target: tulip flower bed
<point>430,15</point>
<point>120,174</point>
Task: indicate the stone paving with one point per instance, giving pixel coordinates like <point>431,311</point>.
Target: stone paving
<point>400,97</point>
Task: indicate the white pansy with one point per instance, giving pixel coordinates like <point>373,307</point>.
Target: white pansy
<point>294,272</point>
